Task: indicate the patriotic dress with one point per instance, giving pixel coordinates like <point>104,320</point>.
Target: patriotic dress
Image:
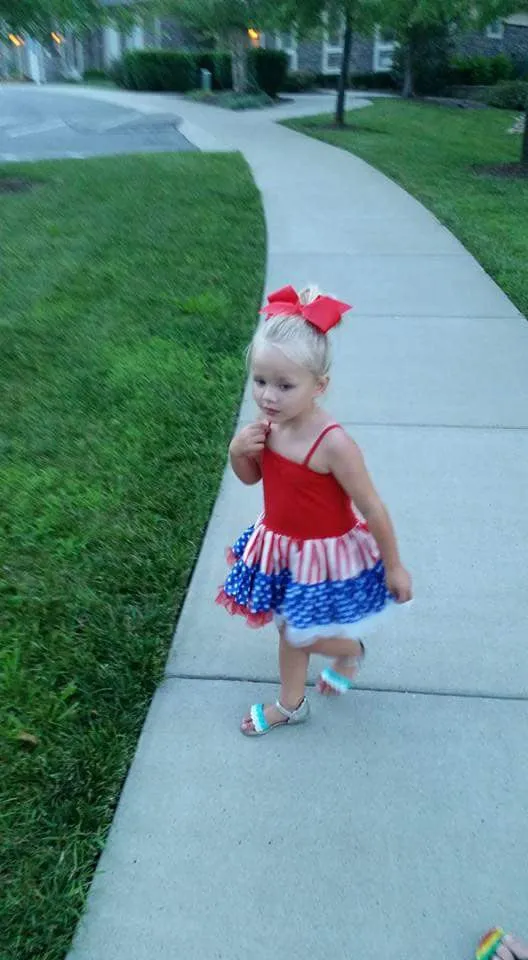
<point>309,562</point>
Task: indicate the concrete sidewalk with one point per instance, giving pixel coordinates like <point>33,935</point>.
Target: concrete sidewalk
<point>395,823</point>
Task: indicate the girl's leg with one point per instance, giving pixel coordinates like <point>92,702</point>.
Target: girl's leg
<point>293,667</point>
<point>337,647</point>
<point>347,654</point>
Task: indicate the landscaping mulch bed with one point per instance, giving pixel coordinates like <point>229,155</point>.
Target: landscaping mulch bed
<point>508,171</point>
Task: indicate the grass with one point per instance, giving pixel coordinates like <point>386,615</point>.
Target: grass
<point>431,152</point>
<point>129,289</point>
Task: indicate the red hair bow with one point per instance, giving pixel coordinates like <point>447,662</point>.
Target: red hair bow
<point>323,313</point>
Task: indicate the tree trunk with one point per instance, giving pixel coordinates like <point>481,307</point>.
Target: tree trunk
<point>238,47</point>
<point>4,70</point>
<point>79,55</point>
<point>408,78</point>
<point>343,76</point>
<point>524,150</point>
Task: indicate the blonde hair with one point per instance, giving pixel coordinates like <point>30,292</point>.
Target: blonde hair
<point>299,341</point>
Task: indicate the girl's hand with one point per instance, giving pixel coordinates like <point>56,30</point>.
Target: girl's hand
<point>399,583</point>
<point>251,441</point>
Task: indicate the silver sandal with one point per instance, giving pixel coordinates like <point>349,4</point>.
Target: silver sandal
<point>261,725</point>
<point>337,681</point>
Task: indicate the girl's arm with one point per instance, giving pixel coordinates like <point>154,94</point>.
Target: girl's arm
<point>348,466</point>
<point>245,451</point>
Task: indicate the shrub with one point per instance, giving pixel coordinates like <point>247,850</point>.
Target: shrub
<point>359,81</point>
<point>373,81</point>
<point>512,95</point>
<point>520,67</point>
<point>470,70</point>
<point>219,64</point>
<point>232,101</point>
<point>298,81</point>
<point>326,81</point>
<point>269,69</point>
<point>95,75</point>
<point>158,70</point>
<point>481,71</point>
<point>502,68</point>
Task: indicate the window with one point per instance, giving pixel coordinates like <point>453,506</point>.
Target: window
<point>335,40</point>
<point>288,43</point>
<point>383,52</point>
<point>495,30</point>
<point>332,52</point>
<point>135,40</point>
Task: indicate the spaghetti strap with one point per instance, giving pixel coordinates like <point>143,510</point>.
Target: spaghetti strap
<point>322,435</point>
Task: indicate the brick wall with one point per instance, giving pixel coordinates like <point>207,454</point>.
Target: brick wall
<point>476,43</point>
<point>362,55</point>
<point>311,56</point>
<point>515,42</point>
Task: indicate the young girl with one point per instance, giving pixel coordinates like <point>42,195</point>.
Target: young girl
<point>310,562</point>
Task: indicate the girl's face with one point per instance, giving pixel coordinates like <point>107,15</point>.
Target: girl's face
<point>281,388</point>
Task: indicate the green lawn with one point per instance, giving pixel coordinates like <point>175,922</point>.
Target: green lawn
<point>430,151</point>
<point>129,290</point>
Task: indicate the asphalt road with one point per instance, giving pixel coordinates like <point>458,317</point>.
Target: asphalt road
<point>35,126</point>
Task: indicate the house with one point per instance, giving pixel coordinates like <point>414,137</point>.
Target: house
<point>376,54</point>
<point>323,57</point>
<point>63,55</point>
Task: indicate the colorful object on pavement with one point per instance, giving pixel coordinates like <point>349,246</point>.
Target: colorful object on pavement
<point>488,945</point>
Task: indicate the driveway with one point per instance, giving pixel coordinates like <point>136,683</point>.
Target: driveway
<point>36,127</point>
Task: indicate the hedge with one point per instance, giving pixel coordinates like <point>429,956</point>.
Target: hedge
<point>157,70</point>
<point>180,70</point>
<point>373,81</point>
<point>509,96</point>
<point>268,69</point>
<point>481,71</point>
<point>297,81</point>
<point>358,81</point>
<point>171,69</point>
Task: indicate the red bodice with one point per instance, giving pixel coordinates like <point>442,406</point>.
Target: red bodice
<point>301,503</point>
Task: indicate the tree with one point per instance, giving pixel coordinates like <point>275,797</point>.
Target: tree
<point>413,20</point>
<point>344,72</point>
<point>228,21</point>
<point>488,12</point>
<point>39,17</point>
<point>350,17</point>
<point>67,21</point>
<point>42,19</point>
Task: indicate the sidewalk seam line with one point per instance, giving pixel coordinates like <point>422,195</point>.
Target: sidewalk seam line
<point>426,426</point>
<point>409,691</point>
<point>435,426</point>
